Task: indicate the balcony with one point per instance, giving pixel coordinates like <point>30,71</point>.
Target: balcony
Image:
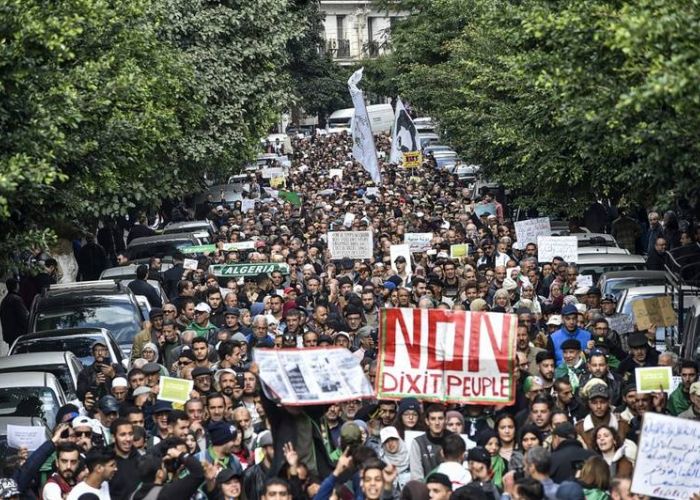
<point>338,48</point>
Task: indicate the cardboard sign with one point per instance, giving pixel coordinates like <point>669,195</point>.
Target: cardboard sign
<point>668,457</point>
<point>549,247</point>
<point>527,231</point>
<point>412,159</point>
<point>446,356</point>
<point>457,251</point>
<point>312,376</point>
<point>191,264</point>
<point>418,242</point>
<point>248,269</point>
<point>27,436</point>
<point>485,209</point>
<point>654,379</point>
<point>403,251</point>
<point>654,311</point>
<point>351,244</point>
<point>175,390</point>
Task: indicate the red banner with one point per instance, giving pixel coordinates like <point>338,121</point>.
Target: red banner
<point>446,356</point>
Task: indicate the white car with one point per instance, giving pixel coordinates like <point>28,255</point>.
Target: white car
<point>31,394</point>
<point>65,366</point>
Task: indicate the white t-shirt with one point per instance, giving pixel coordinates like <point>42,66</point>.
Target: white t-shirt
<point>83,487</point>
<point>459,476</point>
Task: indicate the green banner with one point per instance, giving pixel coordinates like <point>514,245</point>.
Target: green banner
<point>227,247</point>
<point>248,269</point>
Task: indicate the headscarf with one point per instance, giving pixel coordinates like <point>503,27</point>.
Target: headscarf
<point>398,459</point>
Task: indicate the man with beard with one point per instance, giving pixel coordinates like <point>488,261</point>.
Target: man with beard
<point>102,465</point>
<point>178,424</point>
<point>523,345</point>
<point>545,368</point>
<point>61,482</point>
<point>226,381</point>
<point>241,417</point>
<point>202,380</point>
<point>216,407</point>
<point>97,378</point>
<point>125,481</point>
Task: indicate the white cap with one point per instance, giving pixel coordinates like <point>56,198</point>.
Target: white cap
<point>388,433</point>
<point>581,308</point>
<point>509,284</point>
<point>204,307</point>
<point>554,319</point>
<point>119,382</point>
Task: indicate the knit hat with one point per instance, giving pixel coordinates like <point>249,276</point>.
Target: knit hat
<point>440,478</point>
<point>479,454</point>
<point>221,433</point>
<point>409,404</point>
<point>485,435</point>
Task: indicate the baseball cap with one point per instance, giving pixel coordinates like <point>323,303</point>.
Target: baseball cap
<point>221,433</point>
<point>554,320</point>
<point>389,432</point>
<point>568,310</point>
<point>203,307</point>
<point>162,407</point>
<point>565,430</point>
<point>226,475</point>
<point>232,311</point>
<point>598,391</point>
<point>108,404</point>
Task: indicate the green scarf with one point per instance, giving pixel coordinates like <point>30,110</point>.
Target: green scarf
<point>498,467</point>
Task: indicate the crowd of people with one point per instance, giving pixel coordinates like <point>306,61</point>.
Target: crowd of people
<point>570,434</point>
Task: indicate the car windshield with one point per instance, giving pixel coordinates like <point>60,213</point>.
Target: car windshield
<point>596,270</point>
<point>29,402</point>
<point>80,346</point>
<point>615,287</point>
<point>61,372</point>
<point>120,318</point>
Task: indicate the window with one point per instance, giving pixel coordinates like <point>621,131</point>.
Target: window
<point>340,27</point>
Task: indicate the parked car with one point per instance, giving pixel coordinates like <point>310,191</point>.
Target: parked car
<point>76,340</point>
<point>595,240</point>
<point>597,264</point>
<point>31,394</point>
<point>617,281</point>
<point>98,304</point>
<point>436,148</point>
<point>465,172</point>
<point>191,226</point>
<point>424,124</point>
<point>587,250</point>
<point>128,272</point>
<point>164,244</point>
<point>428,139</point>
<point>65,366</point>
<point>5,449</point>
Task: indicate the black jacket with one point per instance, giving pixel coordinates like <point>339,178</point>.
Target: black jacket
<point>181,488</point>
<point>141,287</point>
<point>126,479</point>
<point>564,457</point>
<point>139,231</point>
<point>171,278</point>
<point>92,260</point>
<point>14,317</point>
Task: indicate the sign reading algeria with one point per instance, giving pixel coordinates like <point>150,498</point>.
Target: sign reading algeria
<point>446,356</point>
<point>248,269</point>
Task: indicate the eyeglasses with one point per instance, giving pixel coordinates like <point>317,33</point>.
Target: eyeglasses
<point>86,434</point>
<point>185,363</point>
<point>169,311</point>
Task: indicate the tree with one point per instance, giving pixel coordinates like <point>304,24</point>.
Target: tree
<point>92,108</point>
<point>564,103</point>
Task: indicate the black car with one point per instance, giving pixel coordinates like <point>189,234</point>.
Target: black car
<point>90,304</point>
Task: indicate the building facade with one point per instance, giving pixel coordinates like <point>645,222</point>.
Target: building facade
<point>356,30</point>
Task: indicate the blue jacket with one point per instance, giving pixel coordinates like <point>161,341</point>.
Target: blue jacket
<point>561,335</point>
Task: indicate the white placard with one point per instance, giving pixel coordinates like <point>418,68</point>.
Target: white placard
<point>247,205</point>
<point>585,280</point>
<point>418,242</point>
<point>190,264</point>
<point>271,172</point>
<point>312,376</point>
<point>335,172</point>
<point>527,231</point>
<point>403,251</point>
<point>348,219</point>
<point>668,457</point>
<point>549,247</point>
<point>238,245</point>
<point>350,244</point>
<point>26,436</point>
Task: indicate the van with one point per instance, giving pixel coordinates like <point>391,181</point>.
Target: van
<point>381,118</point>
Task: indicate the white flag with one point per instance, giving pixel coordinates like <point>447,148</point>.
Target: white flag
<point>363,148</point>
<point>405,135</point>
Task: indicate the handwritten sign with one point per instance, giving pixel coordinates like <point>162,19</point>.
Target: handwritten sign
<point>348,219</point>
<point>351,244</point>
<point>335,172</point>
<point>654,311</point>
<point>482,209</point>
<point>418,242</point>
<point>621,323</point>
<point>400,251</point>
<point>191,264</point>
<point>247,205</point>
<point>668,458</point>
<point>653,379</point>
<point>446,356</point>
<point>585,280</point>
<point>549,247</point>
<point>26,436</point>
<point>175,390</point>
<point>312,376</point>
<point>460,250</point>
<point>527,231</point>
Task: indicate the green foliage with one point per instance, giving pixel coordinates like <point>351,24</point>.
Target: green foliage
<point>110,106</point>
<point>563,102</point>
